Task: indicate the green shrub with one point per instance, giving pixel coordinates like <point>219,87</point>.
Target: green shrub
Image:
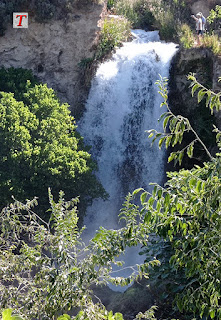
<point>214,17</point>
<point>125,8</point>
<point>213,42</point>
<point>145,16</point>
<point>110,4</point>
<point>15,80</point>
<point>85,63</point>
<point>113,33</point>
<point>186,36</point>
<point>164,15</point>
<point>138,12</point>
<point>65,269</point>
<point>164,20</point>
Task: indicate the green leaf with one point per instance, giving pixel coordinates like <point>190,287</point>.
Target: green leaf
<point>198,186</point>
<point>165,122</point>
<point>167,199</point>
<point>201,94</point>
<point>212,314</point>
<point>136,191</point>
<point>190,151</point>
<point>147,217</point>
<point>118,316</point>
<point>208,98</point>
<point>110,316</point>
<point>6,314</point>
<point>159,193</point>
<point>163,115</point>
<point>64,317</point>
<point>194,88</point>
<point>172,157</point>
<point>151,135</point>
<point>213,103</point>
<point>143,197</point>
<point>168,141</point>
<point>161,142</point>
<point>151,201</point>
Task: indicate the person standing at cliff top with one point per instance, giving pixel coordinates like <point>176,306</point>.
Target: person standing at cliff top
<point>203,21</point>
<point>199,26</point>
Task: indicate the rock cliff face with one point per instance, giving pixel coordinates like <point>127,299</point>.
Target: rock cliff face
<point>207,68</point>
<point>203,6</point>
<point>53,50</point>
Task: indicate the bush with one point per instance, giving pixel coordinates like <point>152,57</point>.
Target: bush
<point>138,12</point>
<point>186,36</point>
<point>15,80</point>
<point>165,20</point>
<point>113,33</point>
<point>214,17</point>
<point>145,16</point>
<point>125,8</point>
<point>186,213</point>
<point>213,42</point>
<point>110,4</point>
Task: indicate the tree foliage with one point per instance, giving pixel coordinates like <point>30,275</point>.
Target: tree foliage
<point>15,80</point>
<point>179,125</point>
<point>214,17</point>
<point>46,269</point>
<point>40,148</point>
<point>186,214</point>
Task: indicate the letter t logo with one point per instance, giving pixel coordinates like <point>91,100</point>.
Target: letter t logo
<point>20,20</point>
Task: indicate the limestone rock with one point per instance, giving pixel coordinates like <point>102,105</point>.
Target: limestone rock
<point>53,50</point>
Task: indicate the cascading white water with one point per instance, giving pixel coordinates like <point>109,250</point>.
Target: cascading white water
<point>122,104</point>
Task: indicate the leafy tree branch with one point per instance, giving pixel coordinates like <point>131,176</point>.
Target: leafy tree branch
<point>178,125</point>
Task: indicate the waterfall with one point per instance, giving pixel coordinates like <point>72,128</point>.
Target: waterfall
<point>123,102</point>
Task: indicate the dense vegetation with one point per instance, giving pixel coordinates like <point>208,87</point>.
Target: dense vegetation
<point>165,16</point>
<point>53,270</point>
<point>171,18</point>
<point>45,268</point>
<point>40,146</point>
